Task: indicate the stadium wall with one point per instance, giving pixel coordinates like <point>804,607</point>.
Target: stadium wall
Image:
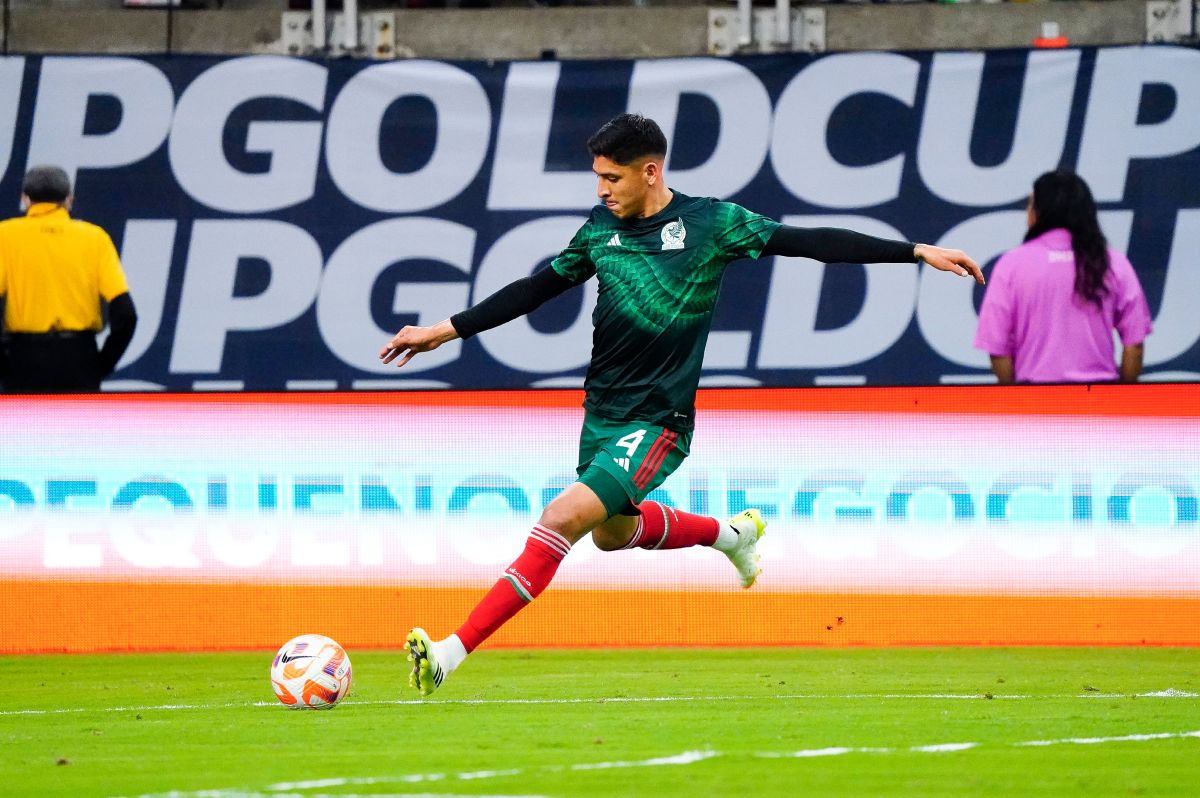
<point>577,31</point>
<point>280,218</point>
<point>951,515</point>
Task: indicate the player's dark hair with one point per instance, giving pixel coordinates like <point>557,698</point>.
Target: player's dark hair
<point>46,184</point>
<point>1061,199</point>
<point>628,137</point>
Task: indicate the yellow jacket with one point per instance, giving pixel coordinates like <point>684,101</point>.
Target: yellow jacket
<point>54,270</point>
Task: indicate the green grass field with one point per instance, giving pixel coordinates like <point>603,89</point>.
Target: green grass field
<point>667,722</point>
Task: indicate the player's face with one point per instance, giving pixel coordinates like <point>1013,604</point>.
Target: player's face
<point>624,187</point>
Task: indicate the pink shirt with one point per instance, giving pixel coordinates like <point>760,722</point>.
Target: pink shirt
<point>1032,314</point>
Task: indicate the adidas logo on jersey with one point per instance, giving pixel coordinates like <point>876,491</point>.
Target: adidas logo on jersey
<point>615,241</point>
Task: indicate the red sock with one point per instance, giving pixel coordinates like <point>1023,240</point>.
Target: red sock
<point>663,527</point>
<point>520,584</point>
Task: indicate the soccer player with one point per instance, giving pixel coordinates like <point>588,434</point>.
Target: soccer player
<point>659,256</point>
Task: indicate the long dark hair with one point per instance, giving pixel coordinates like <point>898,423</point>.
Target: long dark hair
<point>1061,199</point>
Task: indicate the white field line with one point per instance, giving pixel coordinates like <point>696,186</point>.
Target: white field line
<point>302,789</point>
<point>1170,693</point>
<point>944,748</point>
<point>686,758</point>
<point>488,774</point>
<point>1134,738</point>
<point>239,793</point>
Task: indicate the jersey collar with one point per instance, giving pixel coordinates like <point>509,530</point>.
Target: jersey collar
<point>45,209</point>
<point>1056,238</point>
<point>667,213</point>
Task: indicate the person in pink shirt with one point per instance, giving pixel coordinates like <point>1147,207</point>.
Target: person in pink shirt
<point>1053,302</point>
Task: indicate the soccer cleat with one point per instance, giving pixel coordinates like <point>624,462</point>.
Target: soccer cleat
<point>744,556</point>
<point>427,675</point>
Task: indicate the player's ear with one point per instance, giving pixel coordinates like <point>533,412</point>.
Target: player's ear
<point>652,171</point>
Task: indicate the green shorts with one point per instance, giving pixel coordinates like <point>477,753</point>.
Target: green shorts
<point>622,461</point>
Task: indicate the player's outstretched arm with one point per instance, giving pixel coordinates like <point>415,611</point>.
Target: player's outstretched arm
<point>515,299</point>
<point>837,245</point>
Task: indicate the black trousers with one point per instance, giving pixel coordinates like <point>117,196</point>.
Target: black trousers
<point>51,363</point>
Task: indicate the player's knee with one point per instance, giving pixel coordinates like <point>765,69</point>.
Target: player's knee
<point>574,512</point>
<point>562,520</point>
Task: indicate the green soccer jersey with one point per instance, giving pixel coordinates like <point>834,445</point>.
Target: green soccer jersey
<point>659,279</point>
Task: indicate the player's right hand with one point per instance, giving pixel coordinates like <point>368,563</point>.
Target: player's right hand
<point>411,340</point>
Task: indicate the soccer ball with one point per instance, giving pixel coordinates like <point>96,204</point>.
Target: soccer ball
<point>311,672</point>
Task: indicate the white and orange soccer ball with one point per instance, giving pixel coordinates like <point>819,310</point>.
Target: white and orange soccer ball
<point>311,672</point>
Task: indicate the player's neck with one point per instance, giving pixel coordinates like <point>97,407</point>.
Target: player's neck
<point>658,198</point>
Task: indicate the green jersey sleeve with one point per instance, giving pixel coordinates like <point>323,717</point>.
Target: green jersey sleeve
<point>575,263</point>
<point>742,233</point>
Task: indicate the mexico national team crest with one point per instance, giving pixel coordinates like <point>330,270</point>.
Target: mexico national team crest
<point>673,235</point>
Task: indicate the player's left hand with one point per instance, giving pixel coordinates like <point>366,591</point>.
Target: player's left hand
<point>949,260</point>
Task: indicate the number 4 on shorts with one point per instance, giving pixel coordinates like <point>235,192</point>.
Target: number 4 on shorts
<point>631,441</point>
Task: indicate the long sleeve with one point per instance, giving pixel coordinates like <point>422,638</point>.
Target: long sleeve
<point>515,299</point>
<point>837,245</point>
<point>122,320</point>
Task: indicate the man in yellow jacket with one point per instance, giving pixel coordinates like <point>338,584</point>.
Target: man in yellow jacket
<point>58,275</point>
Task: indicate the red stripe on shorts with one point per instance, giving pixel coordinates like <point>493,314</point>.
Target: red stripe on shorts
<point>647,463</point>
<point>658,452</point>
